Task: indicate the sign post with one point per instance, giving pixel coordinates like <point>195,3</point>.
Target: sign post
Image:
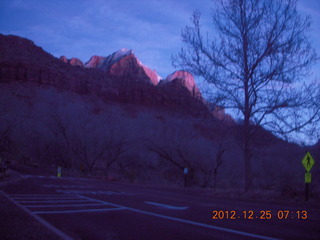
<point>308,163</point>
<point>185,171</point>
<point>59,171</point>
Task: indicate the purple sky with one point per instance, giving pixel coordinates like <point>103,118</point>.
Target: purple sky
<point>84,28</point>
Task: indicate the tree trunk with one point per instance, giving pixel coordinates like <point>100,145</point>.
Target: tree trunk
<point>247,106</point>
<point>248,184</point>
<point>107,171</point>
<point>248,172</point>
<point>215,180</point>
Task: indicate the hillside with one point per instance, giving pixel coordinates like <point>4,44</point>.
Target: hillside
<point>120,77</point>
<point>109,123</point>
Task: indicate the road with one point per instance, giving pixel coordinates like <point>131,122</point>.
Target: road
<point>78,208</point>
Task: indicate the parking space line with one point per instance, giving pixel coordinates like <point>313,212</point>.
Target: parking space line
<point>65,205</point>
<point>44,198</point>
<point>39,219</point>
<point>166,206</point>
<point>84,210</point>
<point>48,201</point>
<point>38,195</point>
<point>34,202</point>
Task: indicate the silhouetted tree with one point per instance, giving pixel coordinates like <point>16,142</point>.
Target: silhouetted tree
<point>115,148</point>
<point>7,145</point>
<point>256,61</point>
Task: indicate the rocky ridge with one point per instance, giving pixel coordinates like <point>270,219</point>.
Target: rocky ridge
<point>124,64</point>
<point>118,77</point>
<point>72,61</point>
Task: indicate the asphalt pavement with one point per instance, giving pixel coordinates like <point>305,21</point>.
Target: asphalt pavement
<point>81,208</point>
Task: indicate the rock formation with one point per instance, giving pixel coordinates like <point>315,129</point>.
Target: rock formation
<point>124,64</point>
<point>95,62</point>
<point>183,79</point>
<point>63,59</point>
<point>130,67</point>
<point>119,77</point>
<point>73,61</point>
<point>76,62</point>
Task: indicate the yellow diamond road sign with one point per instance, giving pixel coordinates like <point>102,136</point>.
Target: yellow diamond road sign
<point>308,162</point>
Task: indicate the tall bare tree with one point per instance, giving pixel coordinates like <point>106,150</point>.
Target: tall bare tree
<point>256,61</point>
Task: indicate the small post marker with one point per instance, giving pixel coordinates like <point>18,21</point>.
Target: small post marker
<point>185,171</point>
<point>59,171</point>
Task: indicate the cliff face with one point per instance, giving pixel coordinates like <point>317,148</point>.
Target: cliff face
<point>119,77</point>
<point>94,62</point>
<point>124,64</point>
<point>72,61</point>
<point>183,79</point>
<point>22,60</point>
<point>130,68</point>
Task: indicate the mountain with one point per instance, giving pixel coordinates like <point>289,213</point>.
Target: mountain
<point>104,63</point>
<point>130,67</point>
<point>120,77</point>
<point>124,64</point>
<point>183,79</point>
<point>22,60</point>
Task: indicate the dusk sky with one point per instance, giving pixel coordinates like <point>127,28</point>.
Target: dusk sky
<point>100,27</point>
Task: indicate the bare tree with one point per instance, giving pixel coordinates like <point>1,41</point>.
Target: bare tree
<point>218,162</point>
<point>176,157</point>
<point>170,155</point>
<point>7,145</point>
<point>115,148</point>
<point>62,147</point>
<point>186,152</point>
<point>256,62</point>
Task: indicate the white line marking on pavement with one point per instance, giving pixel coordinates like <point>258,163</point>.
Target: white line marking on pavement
<point>39,219</point>
<point>32,201</point>
<point>39,195</point>
<point>187,221</point>
<point>54,201</point>
<point>92,192</point>
<point>65,186</point>
<point>65,205</point>
<point>166,206</point>
<point>55,177</point>
<point>44,198</point>
<point>84,210</point>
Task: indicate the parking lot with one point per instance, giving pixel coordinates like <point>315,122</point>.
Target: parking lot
<point>73,208</point>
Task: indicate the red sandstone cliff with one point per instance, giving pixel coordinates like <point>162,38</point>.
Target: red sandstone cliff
<point>118,77</point>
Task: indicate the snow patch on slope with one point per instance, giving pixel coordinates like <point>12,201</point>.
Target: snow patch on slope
<point>117,56</point>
